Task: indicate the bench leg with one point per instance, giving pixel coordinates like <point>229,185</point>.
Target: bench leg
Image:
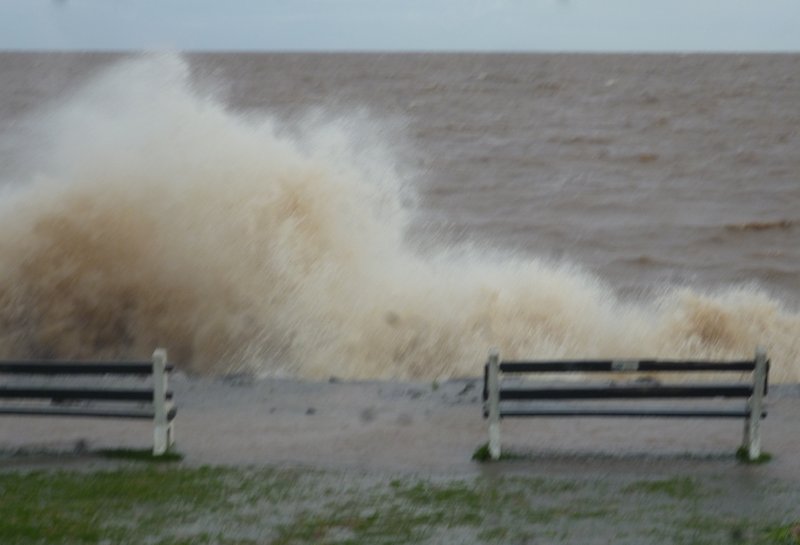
<point>752,433</point>
<point>746,432</point>
<point>494,440</point>
<point>494,404</point>
<point>754,439</point>
<point>162,431</point>
<point>161,439</point>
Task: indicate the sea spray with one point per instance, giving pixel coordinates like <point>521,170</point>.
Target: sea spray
<point>161,218</point>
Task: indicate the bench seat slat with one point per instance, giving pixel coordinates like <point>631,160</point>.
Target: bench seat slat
<point>628,391</point>
<point>607,366</point>
<point>85,412</point>
<point>644,413</point>
<point>75,411</point>
<point>95,394</point>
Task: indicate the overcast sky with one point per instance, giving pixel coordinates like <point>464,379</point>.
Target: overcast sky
<point>490,25</point>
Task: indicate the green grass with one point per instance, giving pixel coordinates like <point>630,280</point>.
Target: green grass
<point>678,487</point>
<point>175,504</point>
<point>482,455</point>
<point>65,507</point>
<point>788,534</point>
<point>743,456</point>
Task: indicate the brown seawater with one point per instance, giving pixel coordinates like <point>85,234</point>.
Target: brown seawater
<point>395,215</point>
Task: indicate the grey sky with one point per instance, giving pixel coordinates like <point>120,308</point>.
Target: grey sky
<point>491,25</point>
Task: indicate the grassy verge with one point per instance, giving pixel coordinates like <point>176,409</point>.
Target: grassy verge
<point>744,456</point>
<point>173,504</point>
<point>482,455</point>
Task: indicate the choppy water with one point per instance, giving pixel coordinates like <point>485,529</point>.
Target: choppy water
<point>395,215</point>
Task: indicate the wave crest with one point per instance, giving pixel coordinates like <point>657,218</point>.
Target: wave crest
<point>161,218</point>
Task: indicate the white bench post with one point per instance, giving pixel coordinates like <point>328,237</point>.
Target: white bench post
<point>756,403</point>
<point>162,432</point>
<point>494,403</point>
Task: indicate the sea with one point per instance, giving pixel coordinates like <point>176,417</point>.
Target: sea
<point>367,215</point>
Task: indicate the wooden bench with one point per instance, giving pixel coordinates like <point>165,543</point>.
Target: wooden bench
<point>505,397</point>
<point>92,389</point>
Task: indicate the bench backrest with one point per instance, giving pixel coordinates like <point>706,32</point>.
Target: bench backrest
<point>42,387</point>
<point>523,399</point>
<point>635,390</point>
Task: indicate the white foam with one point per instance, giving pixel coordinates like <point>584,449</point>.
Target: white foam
<point>160,218</point>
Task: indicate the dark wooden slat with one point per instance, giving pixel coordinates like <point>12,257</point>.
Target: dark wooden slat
<point>44,367</point>
<point>635,391</point>
<point>84,412</point>
<point>607,366</point>
<point>76,411</point>
<point>633,413</point>
<point>13,392</point>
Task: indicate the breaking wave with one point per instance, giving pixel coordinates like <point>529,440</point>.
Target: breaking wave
<point>161,218</point>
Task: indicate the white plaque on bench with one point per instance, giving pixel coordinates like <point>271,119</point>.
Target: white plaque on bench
<point>624,365</point>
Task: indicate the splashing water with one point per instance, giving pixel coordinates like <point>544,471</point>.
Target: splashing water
<point>160,218</point>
